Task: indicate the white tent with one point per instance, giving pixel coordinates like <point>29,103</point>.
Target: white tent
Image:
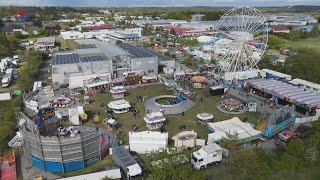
<point>147,141</point>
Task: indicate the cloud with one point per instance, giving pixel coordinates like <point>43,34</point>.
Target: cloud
<point>161,3</point>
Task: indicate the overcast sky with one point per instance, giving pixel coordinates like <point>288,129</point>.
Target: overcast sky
<point>162,3</point>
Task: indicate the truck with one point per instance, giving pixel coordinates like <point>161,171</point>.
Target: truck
<point>129,167</point>
<point>284,137</point>
<point>7,78</point>
<point>208,155</point>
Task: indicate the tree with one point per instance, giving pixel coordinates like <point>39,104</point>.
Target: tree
<point>1,23</point>
<point>304,65</point>
<point>173,32</point>
<point>37,23</point>
<point>276,42</point>
<point>246,165</point>
<point>314,32</point>
<point>118,42</point>
<point>287,162</point>
<point>172,167</point>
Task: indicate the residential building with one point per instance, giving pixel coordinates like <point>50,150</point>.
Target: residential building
<point>45,44</point>
<point>290,19</point>
<point>280,29</point>
<point>97,27</point>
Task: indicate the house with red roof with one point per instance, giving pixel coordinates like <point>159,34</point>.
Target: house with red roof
<point>97,27</point>
<point>280,29</point>
<point>188,31</point>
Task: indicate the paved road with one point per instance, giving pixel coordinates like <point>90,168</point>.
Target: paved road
<point>44,71</point>
<point>29,172</point>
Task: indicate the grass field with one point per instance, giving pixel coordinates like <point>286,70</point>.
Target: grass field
<point>306,43</point>
<point>173,122</point>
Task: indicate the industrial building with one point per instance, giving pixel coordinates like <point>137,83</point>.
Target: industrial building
<point>94,63</point>
<point>290,19</point>
<point>129,34</point>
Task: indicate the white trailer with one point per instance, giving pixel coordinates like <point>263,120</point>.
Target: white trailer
<point>7,78</point>
<point>5,95</point>
<point>207,155</point>
<point>129,166</point>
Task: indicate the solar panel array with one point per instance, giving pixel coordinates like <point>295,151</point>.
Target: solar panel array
<point>67,59</point>
<point>85,46</point>
<point>135,51</point>
<point>91,58</point>
<point>161,56</point>
<point>142,52</point>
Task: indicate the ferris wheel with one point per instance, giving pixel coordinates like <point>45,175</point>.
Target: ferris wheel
<point>242,36</point>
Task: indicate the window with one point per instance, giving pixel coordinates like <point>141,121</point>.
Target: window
<point>138,63</point>
<point>150,71</point>
<point>151,61</point>
<point>215,155</point>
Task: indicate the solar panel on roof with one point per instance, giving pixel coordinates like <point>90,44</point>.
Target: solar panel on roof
<point>91,58</point>
<point>85,46</point>
<point>67,59</point>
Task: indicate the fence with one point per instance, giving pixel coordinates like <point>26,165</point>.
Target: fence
<point>307,119</point>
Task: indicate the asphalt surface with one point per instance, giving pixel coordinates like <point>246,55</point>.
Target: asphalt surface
<point>45,70</point>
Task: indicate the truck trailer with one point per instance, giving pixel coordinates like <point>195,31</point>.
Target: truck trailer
<point>208,155</point>
<point>129,167</point>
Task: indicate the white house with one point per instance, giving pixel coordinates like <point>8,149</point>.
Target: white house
<point>45,44</point>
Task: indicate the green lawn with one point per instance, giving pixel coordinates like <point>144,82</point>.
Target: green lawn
<point>173,122</point>
<point>306,43</point>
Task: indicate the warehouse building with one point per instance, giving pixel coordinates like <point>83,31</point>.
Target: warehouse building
<point>97,62</point>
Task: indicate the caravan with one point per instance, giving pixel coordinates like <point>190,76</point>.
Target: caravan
<point>7,78</point>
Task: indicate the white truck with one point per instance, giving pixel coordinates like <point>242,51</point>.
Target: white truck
<point>129,167</point>
<point>208,155</point>
<point>7,78</point>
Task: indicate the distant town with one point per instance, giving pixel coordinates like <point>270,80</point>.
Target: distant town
<point>159,93</point>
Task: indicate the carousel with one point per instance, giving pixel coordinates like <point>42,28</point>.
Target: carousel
<point>154,120</point>
<point>199,82</point>
<point>204,117</point>
<point>117,92</point>
<point>62,102</point>
<point>232,106</point>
